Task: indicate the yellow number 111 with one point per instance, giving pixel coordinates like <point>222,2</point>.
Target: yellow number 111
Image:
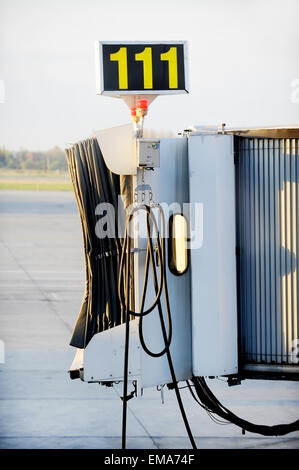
<point>146,57</point>
<point>171,57</point>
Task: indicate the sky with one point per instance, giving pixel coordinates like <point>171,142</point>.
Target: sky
<point>243,65</point>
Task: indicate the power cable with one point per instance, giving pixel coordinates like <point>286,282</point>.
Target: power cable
<point>124,276</point>
<point>207,399</point>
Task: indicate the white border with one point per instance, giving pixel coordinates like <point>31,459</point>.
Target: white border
<point>119,94</point>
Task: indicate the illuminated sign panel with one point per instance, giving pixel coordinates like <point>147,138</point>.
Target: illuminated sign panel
<point>141,68</point>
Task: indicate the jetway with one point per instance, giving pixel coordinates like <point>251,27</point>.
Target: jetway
<point>195,180</point>
<point>190,245</point>
<point>205,179</point>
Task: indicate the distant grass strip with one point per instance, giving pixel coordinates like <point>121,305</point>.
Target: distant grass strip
<point>4,172</point>
<point>36,186</point>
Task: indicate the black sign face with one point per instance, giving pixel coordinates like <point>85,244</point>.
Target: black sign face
<point>142,67</point>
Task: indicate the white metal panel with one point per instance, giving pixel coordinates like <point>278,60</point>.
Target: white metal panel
<point>118,147</point>
<point>78,361</point>
<point>104,355</point>
<point>213,265</point>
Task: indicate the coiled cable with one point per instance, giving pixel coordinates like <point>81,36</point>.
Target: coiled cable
<point>124,296</point>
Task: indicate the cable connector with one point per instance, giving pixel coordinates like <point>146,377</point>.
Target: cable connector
<point>128,397</point>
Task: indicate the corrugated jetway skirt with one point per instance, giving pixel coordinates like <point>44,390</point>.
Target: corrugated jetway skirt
<point>267,175</point>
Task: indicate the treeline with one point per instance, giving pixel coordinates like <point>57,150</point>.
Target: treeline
<point>50,160</point>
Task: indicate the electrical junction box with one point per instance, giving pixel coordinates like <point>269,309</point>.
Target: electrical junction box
<point>148,153</point>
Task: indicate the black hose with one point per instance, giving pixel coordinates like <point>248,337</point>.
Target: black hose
<point>158,294</point>
<point>209,401</point>
<point>161,262</point>
<point>125,305</point>
<point>126,356</point>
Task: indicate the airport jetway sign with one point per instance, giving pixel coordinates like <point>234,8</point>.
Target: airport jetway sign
<point>132,68</point>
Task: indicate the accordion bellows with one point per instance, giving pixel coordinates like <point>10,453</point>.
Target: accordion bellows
<point>94,184</point>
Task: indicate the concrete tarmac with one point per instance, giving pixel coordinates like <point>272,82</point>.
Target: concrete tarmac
<point>41,288</point>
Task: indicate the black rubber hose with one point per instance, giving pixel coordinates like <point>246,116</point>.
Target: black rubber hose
<point>124,300</point>
<point>126,355</point>
<point>170,363</point>
<point>158,295</point>
<point>208,399</point>
<point>161,263</point>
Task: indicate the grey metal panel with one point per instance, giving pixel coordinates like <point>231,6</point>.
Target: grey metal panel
<point>267,176</point>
